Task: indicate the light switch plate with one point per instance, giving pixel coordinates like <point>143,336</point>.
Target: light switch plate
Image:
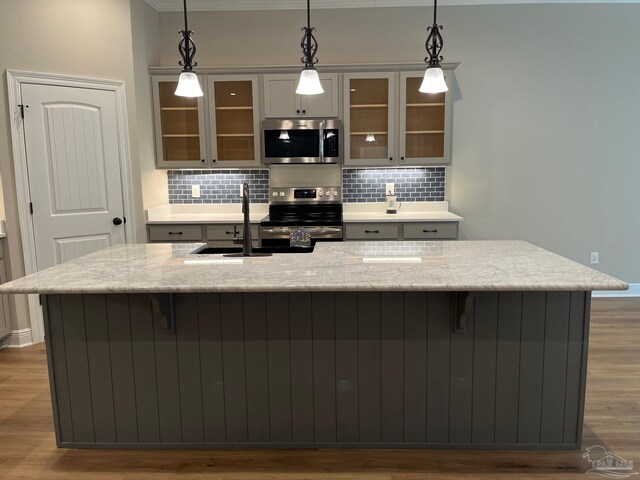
<point>390,189</point>
<point>195,191</point>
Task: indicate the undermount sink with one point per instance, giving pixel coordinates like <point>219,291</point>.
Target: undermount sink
<point>224,250</point>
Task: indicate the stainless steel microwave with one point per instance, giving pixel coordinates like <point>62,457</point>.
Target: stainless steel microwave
<point>302,140</point>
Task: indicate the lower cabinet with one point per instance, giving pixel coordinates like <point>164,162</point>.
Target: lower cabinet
<point>5,313</point>
<point>402,231</point>
<point>218,234</point>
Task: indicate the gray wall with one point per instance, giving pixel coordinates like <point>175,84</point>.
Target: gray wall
<point>545,117</point>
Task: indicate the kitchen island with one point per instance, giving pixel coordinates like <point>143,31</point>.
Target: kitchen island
<point>358,344</point>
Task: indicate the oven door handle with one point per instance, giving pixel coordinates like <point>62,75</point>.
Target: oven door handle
<point>322,141</point>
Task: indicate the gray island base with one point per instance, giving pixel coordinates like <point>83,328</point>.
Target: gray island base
<point>414,365</point>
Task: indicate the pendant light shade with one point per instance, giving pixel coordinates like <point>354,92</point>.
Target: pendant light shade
<point>188,84</point>
<point>434,81</point>
<point>309,83</point>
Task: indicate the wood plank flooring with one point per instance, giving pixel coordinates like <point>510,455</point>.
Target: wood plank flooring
<point>27,444</point>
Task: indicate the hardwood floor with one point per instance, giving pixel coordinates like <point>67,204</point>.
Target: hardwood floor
<point>27,444</point>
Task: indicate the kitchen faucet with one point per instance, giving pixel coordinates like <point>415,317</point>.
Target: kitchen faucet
<point>246,240</point>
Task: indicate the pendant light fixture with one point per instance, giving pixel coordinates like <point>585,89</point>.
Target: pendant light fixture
<point>309,83</point>
<point>188,84</point>
<point>434,76</point>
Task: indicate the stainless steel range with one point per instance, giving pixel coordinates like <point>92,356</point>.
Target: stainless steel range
<point>316,210</point>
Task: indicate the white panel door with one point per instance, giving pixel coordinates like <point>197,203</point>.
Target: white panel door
<point>71,137</point>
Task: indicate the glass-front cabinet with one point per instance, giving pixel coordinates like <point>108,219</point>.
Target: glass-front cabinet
<point>180,126</point>
<point>369,118</point>
<point>234,121</point>
<point>425,121</point>
<point>218,130</point>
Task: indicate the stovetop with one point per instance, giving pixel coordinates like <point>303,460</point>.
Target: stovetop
<point>303,215</point>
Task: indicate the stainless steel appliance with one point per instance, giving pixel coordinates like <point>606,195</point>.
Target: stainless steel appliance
<point>302,140</point>
<point>316,210</point>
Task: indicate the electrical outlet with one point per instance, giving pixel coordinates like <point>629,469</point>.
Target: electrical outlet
<point>195,191</point>
<point>595,258</point>
<point>390,189</point>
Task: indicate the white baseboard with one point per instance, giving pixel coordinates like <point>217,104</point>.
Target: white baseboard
<point>19,339</point>
<point>634,291</point>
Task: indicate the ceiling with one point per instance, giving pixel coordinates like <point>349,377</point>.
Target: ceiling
<point>219,5</point>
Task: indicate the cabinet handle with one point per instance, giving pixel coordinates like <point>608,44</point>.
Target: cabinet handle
<point>430,231</point>
<point>175,233</point>
<point>228,232</point>
<point>372,231</point>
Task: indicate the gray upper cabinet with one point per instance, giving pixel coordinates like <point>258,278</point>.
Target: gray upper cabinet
<point>5,315</point>
<point>425,122</point>
<point>370,118</point>
<point>234,120</point>
<point>282,101</point>
<point>180,126</point>
<point>399,126</point>
<point>218,130</point>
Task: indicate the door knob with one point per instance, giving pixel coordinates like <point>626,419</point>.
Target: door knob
<point>117,221</point>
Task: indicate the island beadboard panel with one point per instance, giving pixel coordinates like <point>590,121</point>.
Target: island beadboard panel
<point>368,369</point>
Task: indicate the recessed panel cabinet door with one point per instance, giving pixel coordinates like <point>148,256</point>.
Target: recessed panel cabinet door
<point>282,101</point>
<point>73,157</point>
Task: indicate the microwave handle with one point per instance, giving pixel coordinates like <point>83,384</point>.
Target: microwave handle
<point>322,141</point>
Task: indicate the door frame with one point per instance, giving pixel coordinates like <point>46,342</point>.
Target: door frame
<point>15,79</point>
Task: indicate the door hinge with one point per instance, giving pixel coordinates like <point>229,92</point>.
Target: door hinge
<point>22,107</point>
<point>31,208</point>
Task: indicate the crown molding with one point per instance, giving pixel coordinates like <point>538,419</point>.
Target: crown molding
<point>230,5</point>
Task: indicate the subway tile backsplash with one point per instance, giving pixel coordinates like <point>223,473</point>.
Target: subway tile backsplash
<point>220,186</point>
<point>418,184</point>
<point>360,185</point>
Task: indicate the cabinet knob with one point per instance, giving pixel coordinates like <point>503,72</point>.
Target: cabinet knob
<point>401,158</point>
<point>304,111</point>
<point>202,160</point>
<point>213,160</point>
<point>391,159</point>
<point>297,111</point>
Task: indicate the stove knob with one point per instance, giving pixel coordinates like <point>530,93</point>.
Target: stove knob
<point>275,194</point>
<point>282,194</point>
<point>335,193</point>
<point>320,193</point>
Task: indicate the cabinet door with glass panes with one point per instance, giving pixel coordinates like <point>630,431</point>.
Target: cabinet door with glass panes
<point>233,120</point>
<point>180,126</point>
<point>369,118</point>
<point>425,122</point>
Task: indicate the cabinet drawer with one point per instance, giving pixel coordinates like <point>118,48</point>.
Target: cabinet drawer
<point>225,231</point>
<point>175,233</point>
<point>383,231</point>
<point>435,230</point>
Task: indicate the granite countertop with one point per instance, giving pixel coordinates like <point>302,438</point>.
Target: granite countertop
<point>211,213</point>
<point>339,266</point>
<point>352,213</point>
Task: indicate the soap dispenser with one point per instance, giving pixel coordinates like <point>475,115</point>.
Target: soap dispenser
<point>392,200</point>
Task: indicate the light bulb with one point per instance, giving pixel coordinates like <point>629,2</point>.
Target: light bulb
<point>309,83</point>
<point>370,138</point>
<point>188,85</point>
<point>433,81</point>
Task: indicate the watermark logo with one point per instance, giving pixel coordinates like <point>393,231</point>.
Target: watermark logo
<point>607,464</point>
